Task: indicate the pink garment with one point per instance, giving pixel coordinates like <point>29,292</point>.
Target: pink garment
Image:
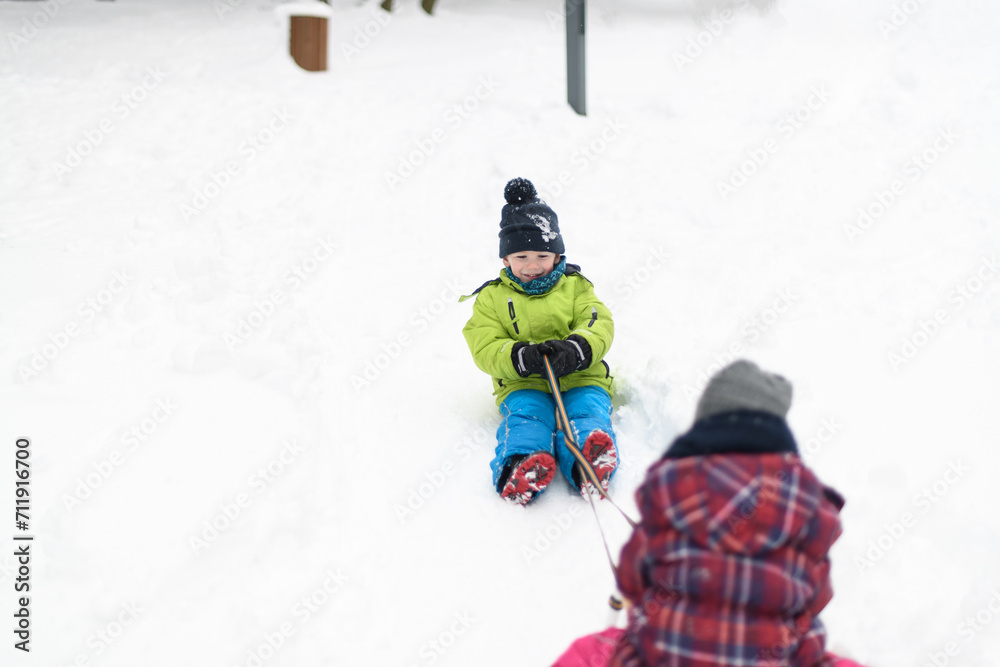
<point>594,650</point>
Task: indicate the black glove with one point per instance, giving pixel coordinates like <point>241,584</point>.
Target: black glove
<point>567,356</point>
<point>527,359</point>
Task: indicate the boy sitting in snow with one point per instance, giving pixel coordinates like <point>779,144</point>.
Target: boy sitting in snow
<point>728,566</point>
<point>540,306</point>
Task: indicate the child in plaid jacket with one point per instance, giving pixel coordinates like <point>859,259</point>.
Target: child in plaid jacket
<point>729,565</point>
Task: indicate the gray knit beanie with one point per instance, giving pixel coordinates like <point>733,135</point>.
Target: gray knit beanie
<point>742,385</point>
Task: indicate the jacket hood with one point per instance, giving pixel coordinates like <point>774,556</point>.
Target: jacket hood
<point>735,484</point>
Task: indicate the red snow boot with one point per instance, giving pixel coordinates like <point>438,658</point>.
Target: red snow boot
<point>529,477</point>
<point>600,451</point>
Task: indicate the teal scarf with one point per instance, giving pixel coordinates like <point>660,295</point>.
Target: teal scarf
<point>543,284</point>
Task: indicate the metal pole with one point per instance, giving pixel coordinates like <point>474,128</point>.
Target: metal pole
<point>576,64</point>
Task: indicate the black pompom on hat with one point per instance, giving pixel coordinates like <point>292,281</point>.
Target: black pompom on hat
<point>526,222</point>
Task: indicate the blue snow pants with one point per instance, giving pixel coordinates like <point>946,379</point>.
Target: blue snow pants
<point>529,425</point>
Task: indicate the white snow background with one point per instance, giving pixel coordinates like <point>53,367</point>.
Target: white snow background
<point>257,434</point>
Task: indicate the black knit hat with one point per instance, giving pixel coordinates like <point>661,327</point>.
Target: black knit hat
<point>526,222</point>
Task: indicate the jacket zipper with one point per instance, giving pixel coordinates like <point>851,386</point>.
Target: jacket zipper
<point>593,316</point>
<point>510,309</point>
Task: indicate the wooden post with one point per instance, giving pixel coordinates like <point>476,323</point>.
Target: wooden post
<point>308,42</point>
<point>576,63</point>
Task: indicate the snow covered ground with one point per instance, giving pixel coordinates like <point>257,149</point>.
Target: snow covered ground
<point>230,328</point>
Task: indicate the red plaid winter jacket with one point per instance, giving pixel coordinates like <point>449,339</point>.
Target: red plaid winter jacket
<point>729,567</point>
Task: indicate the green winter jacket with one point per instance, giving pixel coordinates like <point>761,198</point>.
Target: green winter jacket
<point>503,315</point>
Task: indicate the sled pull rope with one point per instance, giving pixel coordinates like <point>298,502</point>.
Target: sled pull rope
<point>586,470</point>
<point>607,549</point>
<point>583,465</point>
<point>604,539</point>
